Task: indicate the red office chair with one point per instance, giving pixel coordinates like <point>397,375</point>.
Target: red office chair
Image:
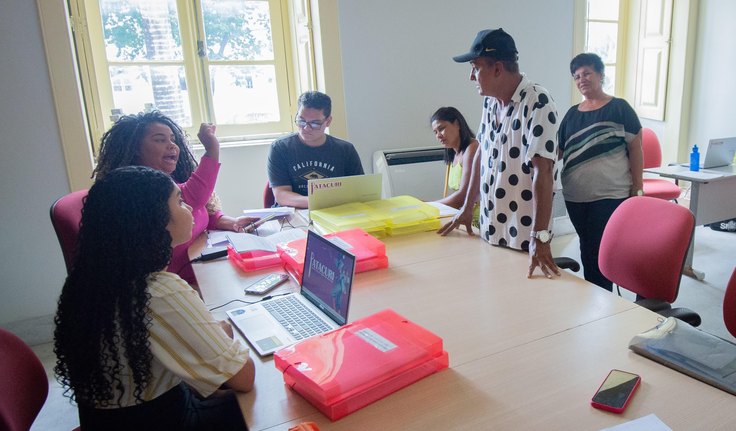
<point>643,250</point>
<point>656,187</point>
<point>23,384</point>
<point>729,305</point>
<point>66,213</point>
<point>268,198</point>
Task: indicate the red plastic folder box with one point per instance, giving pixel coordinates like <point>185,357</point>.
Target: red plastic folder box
<point>348,368</point>
<point>370,253</point>
<point>253,260</point>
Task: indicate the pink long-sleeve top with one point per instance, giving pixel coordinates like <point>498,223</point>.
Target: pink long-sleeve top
<point>196,192</point>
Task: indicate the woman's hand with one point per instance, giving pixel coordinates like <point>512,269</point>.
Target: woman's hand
<point>225,325</point>
<point>235,224</point>
<point>210,142</point>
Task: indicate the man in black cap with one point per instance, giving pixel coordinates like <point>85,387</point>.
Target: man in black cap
<point>515,170</point>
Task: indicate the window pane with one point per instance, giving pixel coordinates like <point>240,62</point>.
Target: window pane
<point>162,86</point>
<point>602,39</point>
<point>244,94</point>
<point>609,84</point>
<point>603,9</point>
<point>141,30</point>
<point>238,30</point>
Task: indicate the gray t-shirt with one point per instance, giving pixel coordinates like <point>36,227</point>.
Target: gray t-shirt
<point>595,151</point>
<point>293,163</point>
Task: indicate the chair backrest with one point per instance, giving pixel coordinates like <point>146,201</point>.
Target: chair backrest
<point>644,245</point>
<point>651,149</point>
<point>23,383</point>
<point>66,213</point>
<point>268,198</point>
<point>729,305</point>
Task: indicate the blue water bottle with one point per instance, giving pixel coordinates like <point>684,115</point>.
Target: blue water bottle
<point>695,159</point>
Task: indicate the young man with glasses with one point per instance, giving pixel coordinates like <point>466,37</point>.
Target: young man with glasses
<point>310,153</point>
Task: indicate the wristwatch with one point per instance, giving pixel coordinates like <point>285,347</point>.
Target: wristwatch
<point>640,192</point>
<point>544,236</point>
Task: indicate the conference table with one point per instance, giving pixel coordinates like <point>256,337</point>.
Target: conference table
<point>524,353</point>
<point>712,198</point>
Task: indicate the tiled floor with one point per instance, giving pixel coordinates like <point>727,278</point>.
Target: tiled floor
<point>715,254</point>
<point>58,413</point>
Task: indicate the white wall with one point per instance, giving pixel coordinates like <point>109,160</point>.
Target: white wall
<point>242,177</point>
<point>32,172</point>
<point>713,113</point>
<point>398,68</point>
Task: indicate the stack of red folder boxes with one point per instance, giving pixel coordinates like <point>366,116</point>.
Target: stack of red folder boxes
<point>350,367</point>
<point>253,260</point>
<point>370,253</point>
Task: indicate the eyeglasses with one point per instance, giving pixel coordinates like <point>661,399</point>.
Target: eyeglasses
<point>314,125</point>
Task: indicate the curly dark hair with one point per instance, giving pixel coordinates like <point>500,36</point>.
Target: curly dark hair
<point>451,115</point>
<point>120,146</point>
<point>102,313</point>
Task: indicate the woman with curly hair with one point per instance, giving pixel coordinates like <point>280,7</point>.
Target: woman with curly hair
<point>135,345</point>
<point>154,140</point>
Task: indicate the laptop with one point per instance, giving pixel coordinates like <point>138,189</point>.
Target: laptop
<point>718,153</point>
<point>320,306</point>
<point>330,192</point>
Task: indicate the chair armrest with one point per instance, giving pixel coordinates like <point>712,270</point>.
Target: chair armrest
<point>567,263</point>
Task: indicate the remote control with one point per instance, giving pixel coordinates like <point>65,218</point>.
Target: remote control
<point>266,284</point>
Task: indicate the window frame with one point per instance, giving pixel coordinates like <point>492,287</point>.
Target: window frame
<point>322,71</point>
<point>580,34</point>
<point>97,85</point>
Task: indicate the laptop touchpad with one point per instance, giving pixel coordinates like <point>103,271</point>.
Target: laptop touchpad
<point>259,329</point>
<point>269,343</point>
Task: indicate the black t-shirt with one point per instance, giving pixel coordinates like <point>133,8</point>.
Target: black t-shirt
<point>291,162</point>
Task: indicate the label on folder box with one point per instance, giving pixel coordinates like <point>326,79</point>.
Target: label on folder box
<point>371,337</point>
<point>355,365</point>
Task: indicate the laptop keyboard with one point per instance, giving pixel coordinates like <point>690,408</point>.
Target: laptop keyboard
<point>299,320</point>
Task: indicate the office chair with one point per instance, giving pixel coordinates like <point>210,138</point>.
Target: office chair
<point>729,305</point>
<point>656,187</point>
<point>268,198</point>
<point>66,213</point>
<point>643,250</point>
<point>23,384</point>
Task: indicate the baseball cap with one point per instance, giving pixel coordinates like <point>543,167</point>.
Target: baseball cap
<point>490,43</point>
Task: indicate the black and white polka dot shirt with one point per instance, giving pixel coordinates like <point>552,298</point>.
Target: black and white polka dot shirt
<point>509,137</point>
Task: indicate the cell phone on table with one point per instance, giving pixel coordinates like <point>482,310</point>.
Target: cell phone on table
<point>253,226</point>
<point>266,284</point>
<point>616,391</point>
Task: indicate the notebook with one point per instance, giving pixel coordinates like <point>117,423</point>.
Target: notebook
<point>324,298</point>
<point>718,153</point>
<point>330,192</point>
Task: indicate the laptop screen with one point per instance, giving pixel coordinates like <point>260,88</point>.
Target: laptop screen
<point>328,277</point>
<point>720,152</point>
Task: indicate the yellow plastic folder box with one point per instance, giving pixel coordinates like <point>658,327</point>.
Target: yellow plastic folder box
<point>400,215</point>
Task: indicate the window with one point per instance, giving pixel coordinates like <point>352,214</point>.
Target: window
<point>221,61</point>
<point>602,37</point>
<point>652,64</point>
